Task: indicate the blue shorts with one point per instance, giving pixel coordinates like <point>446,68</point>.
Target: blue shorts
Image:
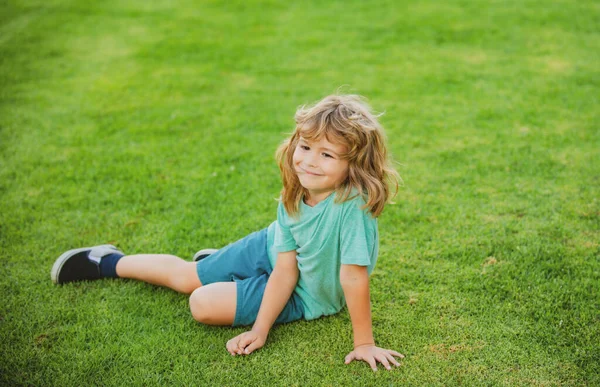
<point>247,263</point>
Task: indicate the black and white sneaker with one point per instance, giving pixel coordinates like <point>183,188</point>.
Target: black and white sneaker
<point>203,254</point>
<point>81,264</point>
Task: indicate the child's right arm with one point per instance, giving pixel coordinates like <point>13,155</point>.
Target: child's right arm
<point>279,288</point>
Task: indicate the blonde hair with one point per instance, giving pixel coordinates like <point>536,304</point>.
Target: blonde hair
<point>346,120</point>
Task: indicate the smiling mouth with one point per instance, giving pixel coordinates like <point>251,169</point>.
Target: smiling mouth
<point>308,173</point>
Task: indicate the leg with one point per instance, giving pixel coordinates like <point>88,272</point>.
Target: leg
<point>214,304</point>
<point>220,303</point>
<point>160,269</point>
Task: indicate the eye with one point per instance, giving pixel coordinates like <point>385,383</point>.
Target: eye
<point>327,155</point>
<point>304,147</point>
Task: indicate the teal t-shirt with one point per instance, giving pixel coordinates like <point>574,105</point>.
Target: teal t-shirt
<point>325,237</point>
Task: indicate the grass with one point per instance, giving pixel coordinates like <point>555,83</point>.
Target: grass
<point>152,125</point>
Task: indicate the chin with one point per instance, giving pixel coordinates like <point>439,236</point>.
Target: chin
<point>307,179</point>
<point>307,185</point>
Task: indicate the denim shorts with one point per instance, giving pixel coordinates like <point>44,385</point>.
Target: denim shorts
<point>247,263</point>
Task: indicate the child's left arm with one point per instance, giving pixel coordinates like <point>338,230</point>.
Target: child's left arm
<point>355,283</point>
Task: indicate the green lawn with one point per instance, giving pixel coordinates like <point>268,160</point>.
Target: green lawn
<point>153,126</point>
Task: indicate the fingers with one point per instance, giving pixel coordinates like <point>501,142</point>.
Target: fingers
<point>244,344</point>
<point>372,362</point>
<point>236,345</point>
<point>401,356</point>
<point>383,360</point>
<point>392,360</point>
<point>351,356</point>
<point>374,355</point>
<point>245,340</point>
<point>232,346</point>
<point>256,344</point>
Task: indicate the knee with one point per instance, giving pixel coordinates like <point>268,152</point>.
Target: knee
<point>185,280</point>
<point>183,286</point>
<point>200,306</point>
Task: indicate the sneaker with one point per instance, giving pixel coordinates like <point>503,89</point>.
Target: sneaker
<point>81,264</point>
<point>203,254</point>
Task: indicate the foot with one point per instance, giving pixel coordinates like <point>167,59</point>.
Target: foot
<point>203,254</point>
<point>81,264</point>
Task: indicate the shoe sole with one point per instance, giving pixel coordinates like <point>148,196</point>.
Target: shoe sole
<point>58,264</point>
<point>203,254</point>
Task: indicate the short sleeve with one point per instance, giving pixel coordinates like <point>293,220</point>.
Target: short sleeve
<point>357,235</point>
<point>284,240</point>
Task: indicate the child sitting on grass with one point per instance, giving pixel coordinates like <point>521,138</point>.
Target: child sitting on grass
<point>316,257</point>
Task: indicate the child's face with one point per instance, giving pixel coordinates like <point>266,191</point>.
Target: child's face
<point>320,166</point>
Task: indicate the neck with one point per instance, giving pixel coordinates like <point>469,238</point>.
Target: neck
<point>313,198</point>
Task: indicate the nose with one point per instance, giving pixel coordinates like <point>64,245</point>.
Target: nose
<point>310,160</point>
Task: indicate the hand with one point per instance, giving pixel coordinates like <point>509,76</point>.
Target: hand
<point>372,354</point>
<point>245,343</point>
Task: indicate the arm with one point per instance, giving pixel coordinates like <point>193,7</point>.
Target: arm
<point>279,288</point>
<point>355,283</point>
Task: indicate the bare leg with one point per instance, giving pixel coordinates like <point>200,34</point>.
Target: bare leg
<point>160,269</point>
<point>214,304</point>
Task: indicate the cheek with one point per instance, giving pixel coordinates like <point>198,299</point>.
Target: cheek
<point>344,175</point>
<point>338,172</point>
<point>296,156</point>
<point>343,172</point>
